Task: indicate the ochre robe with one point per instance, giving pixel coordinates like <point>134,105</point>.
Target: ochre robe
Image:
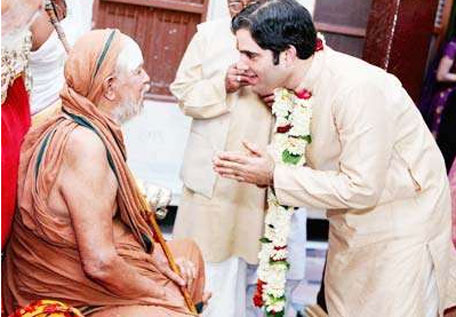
<point>42,258</point>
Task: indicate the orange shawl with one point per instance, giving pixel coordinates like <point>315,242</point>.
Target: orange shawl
<point>42,258</point>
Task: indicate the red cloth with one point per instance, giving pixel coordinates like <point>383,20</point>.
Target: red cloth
<point>15,124</point>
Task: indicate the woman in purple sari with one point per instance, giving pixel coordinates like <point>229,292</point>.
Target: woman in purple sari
<point>444,117</point>
<point>443,105</point>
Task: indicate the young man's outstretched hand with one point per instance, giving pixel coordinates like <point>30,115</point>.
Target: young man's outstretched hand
<point>255,167</point>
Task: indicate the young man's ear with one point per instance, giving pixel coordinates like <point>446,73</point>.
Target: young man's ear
<point>288,57</point>
<point>109,89</point>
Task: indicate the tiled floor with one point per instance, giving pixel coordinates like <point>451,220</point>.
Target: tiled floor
<point>306,291</point>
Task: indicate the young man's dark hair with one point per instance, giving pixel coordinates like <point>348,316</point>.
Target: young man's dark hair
<point>283,23</point>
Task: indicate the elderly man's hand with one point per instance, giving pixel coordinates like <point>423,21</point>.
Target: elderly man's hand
<point>256,167</point>
<point>187,271</point>
<point>60,9</point>
<point>237,77</point>
<point>160,262</point>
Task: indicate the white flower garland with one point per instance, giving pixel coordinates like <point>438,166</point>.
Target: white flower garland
<point>292,135</point>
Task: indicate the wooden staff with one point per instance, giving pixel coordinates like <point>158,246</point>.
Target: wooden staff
<point>50,10</point>
<point>159,236</point>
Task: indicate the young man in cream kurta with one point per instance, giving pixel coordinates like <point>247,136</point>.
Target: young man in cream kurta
<point>224,217</point>
<point>372,163</point>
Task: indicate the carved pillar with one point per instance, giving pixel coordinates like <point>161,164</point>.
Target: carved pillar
<point>398,38</point>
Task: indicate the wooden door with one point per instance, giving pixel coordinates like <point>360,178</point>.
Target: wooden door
<point>443,21</point>
<point>392,34</point>
<point>162,28</point>
<point>398,39</point>
<point>343,23</point>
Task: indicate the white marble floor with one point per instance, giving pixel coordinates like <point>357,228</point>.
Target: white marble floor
<point>306,291</point>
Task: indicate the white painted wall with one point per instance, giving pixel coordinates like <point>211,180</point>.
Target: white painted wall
<point>155,143</point>
<point>309,4</point>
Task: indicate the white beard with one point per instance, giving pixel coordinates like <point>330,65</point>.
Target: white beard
<point>127,111</point>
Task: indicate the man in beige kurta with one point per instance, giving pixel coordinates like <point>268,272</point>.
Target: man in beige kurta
<point>224,217</point>
<point>372,163</point>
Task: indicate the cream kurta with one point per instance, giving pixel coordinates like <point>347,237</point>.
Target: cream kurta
<point>224,217</point>
<point>374,165</point>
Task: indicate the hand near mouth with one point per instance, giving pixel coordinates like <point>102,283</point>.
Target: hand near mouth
<point>237,77</point>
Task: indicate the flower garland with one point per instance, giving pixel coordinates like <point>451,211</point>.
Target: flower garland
<point>293,113</point>
<point>15,62</point>
<point>46,308</point>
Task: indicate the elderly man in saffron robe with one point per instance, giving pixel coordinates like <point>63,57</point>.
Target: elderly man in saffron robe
<point>80,235</point>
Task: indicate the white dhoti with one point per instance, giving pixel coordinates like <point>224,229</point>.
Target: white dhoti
<point>228,281</point>
<point>233,281</point>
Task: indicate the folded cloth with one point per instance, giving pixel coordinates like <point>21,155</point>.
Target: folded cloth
<point>47,308</point>
<point>157,196</point>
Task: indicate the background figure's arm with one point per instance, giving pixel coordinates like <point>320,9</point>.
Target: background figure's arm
<point>42,28</point>
<point>366,136</point>
<point>198,97</point>
<point>444,73</point>
<point>89,189</point>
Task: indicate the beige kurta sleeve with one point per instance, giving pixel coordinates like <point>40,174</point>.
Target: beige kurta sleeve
<point>365,132</point>
<point>199,97</point>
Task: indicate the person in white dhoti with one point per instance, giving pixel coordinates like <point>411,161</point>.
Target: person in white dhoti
<point>48,54</point>
<point>225,218</point>
<point>370,160</point>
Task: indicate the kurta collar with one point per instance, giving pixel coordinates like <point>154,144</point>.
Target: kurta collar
<point>314,71</point>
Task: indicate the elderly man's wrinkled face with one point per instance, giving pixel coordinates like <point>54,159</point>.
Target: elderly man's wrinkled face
<point>236,6</point>
<point>17,16</point>
<point>132,82</point>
